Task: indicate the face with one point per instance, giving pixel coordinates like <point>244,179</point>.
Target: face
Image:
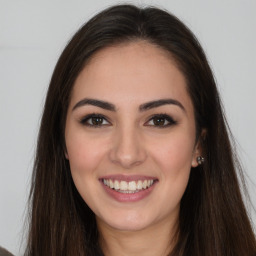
<point>130,136</point>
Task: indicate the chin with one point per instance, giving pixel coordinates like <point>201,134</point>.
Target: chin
<point>125,222</point>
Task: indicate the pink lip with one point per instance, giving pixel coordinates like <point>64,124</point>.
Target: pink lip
<point>128,197</point>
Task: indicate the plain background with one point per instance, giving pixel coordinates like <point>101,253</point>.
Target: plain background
<point>32,36</point>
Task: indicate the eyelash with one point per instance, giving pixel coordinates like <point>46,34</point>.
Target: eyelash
<point>86,119</point>
<point>164,117</point>
<point>156,117</point>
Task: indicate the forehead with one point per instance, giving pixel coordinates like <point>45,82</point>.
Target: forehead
<point>136,71</point>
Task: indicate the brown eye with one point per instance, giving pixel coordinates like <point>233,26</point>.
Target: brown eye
<point>95,120</point>
<point>159,121</point>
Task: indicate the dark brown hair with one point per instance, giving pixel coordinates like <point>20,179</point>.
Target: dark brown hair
<point>213,219</point>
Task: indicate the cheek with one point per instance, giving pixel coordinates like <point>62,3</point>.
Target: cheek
<point>172,158</point>
<point>84,157</point>
<point>175,160</point>
<point>84,154</point>
<point>174,154</point>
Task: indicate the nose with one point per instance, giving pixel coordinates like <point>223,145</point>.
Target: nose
<point>128,149</point>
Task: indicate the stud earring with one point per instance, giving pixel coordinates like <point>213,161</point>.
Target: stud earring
<point>200,160</point>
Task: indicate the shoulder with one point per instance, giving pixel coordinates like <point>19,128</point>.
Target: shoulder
<point>4,252</point>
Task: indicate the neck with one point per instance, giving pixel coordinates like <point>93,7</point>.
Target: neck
<point>155,240</point>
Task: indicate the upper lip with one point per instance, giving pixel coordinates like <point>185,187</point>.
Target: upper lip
<point>127,178</point>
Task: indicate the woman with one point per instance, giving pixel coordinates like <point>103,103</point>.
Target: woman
<point>133,153</point>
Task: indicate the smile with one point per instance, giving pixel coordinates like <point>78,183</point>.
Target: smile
<point>126,187</point>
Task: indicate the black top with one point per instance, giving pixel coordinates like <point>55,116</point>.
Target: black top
<point>4,252</point>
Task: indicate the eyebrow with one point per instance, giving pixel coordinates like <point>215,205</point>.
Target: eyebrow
<point>94,102</point>
<point>111,107</point>
<point>158,103</point>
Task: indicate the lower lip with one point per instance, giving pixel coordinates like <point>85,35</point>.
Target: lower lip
<point>128,197</point>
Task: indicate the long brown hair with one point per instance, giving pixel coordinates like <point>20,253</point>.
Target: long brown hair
<point>213,220</point>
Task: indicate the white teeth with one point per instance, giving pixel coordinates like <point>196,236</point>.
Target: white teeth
<point>123,185</point>
<point>139,184</point>
<point>144,184</point>
<point>111,184</point>
<point>116,185</point>
<point>132,186</point>
<point>128,187</point>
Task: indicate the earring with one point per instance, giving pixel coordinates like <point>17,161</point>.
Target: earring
<point>200,160</point>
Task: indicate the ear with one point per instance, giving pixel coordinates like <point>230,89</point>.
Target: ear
<point>196,154</point>
<point>65,152</point>
<point>198,150</point>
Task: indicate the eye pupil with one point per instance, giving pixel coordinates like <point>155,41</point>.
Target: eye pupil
<point>97,120</point>
<point>159,121</point>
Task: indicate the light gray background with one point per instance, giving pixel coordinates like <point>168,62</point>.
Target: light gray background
<point>33,34</point>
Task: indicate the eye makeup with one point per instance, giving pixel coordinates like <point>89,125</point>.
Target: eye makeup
<point>161,121</point>
<point>95,120</point>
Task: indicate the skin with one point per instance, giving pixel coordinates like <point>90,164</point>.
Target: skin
<point>129,143</point>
